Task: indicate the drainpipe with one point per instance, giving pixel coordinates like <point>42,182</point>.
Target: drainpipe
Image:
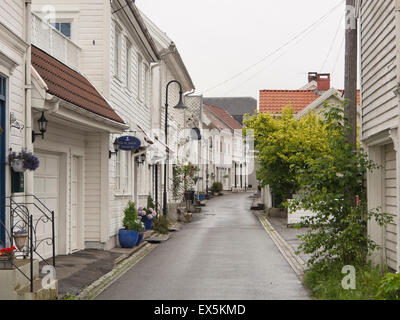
<point>28,94</point>
<point>397,132</point>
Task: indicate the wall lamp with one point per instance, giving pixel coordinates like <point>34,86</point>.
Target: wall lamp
<point>141,159</point>
<point>42,122</point>
<point>116,149</point>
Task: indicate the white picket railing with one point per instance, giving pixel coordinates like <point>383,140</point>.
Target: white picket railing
<point>50,40</point>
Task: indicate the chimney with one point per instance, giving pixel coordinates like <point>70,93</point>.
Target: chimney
<point>324,81</point>
<point>312,76</point>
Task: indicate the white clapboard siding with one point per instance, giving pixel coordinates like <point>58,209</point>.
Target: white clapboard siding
<point>391,206</point>
<point>378,66</point>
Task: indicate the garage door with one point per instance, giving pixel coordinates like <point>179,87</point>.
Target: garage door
<point>46,186</point>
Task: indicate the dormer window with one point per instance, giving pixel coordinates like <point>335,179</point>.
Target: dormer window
<point>63,27</point>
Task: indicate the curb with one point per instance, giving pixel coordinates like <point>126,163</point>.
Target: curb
<point>297,264</point>
<point>101,284</point>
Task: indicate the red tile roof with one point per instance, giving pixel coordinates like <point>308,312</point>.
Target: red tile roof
<point>273,101</point>
<point>70,85</point>
<point>224,116</point>
<point>358,96</point>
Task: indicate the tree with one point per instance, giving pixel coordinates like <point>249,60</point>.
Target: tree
<point>338,228</point>
<point>285,144</point>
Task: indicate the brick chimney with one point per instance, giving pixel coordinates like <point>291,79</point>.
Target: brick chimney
<point>312,76</point>
<point>324,81</point>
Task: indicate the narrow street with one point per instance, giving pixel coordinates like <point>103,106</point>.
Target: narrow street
<point>223,254</point>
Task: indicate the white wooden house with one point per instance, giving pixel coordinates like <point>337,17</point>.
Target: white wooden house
<point>380,78</point>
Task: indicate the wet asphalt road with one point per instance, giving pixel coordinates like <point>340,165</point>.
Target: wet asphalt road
<point>224,254</point>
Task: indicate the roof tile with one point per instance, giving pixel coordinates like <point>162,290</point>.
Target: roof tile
<point>70,85</point>
<point>223,115</point>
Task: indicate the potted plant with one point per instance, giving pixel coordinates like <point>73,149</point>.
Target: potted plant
<point>7,258</point>
<point>20,162</point>
<point>216,188</point>
<point>20,238</point>
<point>128,236</point>
<point>147,215</point>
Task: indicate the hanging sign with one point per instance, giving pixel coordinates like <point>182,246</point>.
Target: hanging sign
<point>128,143</point>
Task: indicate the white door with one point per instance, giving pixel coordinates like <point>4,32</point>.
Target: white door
<point>47,189</point>
<point>75,204</point>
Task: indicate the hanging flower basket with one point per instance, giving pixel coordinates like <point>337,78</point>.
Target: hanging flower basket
<point>18,165</point>
<point>20,162</point>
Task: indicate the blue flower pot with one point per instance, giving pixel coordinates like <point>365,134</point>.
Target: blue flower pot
<point>147,223</point>
<point>127,238</point>
<point>140,238</point>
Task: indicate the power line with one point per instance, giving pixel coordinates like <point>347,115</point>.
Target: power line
<point>338,56</point>
<point>269,65</point>
<point>277,50</point>
<point>333,43</point>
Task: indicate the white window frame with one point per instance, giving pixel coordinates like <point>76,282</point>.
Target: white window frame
<point>146,85</point>
<point>128,64</point>
<point>140,77</point>
<point>117,51</point>
<point>123,167</point>
<point>60,21</point>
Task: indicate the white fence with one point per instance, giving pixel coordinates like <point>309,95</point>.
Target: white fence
<point>50,40</point>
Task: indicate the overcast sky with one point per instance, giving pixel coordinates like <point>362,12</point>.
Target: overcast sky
<point>218,39</point>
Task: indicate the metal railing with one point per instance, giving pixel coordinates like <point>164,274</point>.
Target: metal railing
<point>30,214</point>
<point>50,40</point>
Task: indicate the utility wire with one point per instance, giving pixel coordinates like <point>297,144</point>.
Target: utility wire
<point>275,60</point>
<point>333,43</point>
<point>338,56</point>
<point>277,50</point>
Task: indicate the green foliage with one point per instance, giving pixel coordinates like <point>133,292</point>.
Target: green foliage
<point>389,288</point>
<point>285,144</point>
<point>217,187</point>
<point>131,221</point>
<point>329,185</point>
<point>184,179</point>
<point>161,224</point>
<point>325,283</point>
<point>69,296</point>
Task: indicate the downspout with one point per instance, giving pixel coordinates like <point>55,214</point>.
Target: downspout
<point>28,93</point>
<point>397,21</point>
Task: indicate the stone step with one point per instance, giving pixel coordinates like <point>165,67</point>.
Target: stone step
<point>39,292</point>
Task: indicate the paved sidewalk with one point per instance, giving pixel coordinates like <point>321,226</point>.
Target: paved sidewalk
<point>289,234</point>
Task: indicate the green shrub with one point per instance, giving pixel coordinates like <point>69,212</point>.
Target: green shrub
<point>389,288</point>
<point>131,221</point>
<point>161,224</point>
<point>325,283</point>
<point>217,187</point>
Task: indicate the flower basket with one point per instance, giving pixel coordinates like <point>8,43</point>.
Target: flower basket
<point>20,240</point>
<point>6,262</point>
<point>23,161</point>
<point>18,165</point>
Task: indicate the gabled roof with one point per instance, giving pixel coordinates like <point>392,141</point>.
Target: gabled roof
<point>235,106</point>
<point>224,116</point>
<point>273,101</point>
<point>70,85</point>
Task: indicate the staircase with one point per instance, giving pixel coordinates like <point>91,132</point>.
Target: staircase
<point>15,286</point>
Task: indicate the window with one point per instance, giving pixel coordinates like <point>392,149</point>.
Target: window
<point>128,64</point>
<point>146,86</point>
<point>140,77</point>
<point>122,172</point>
<point>63,27</point>
<point>117,50</point>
